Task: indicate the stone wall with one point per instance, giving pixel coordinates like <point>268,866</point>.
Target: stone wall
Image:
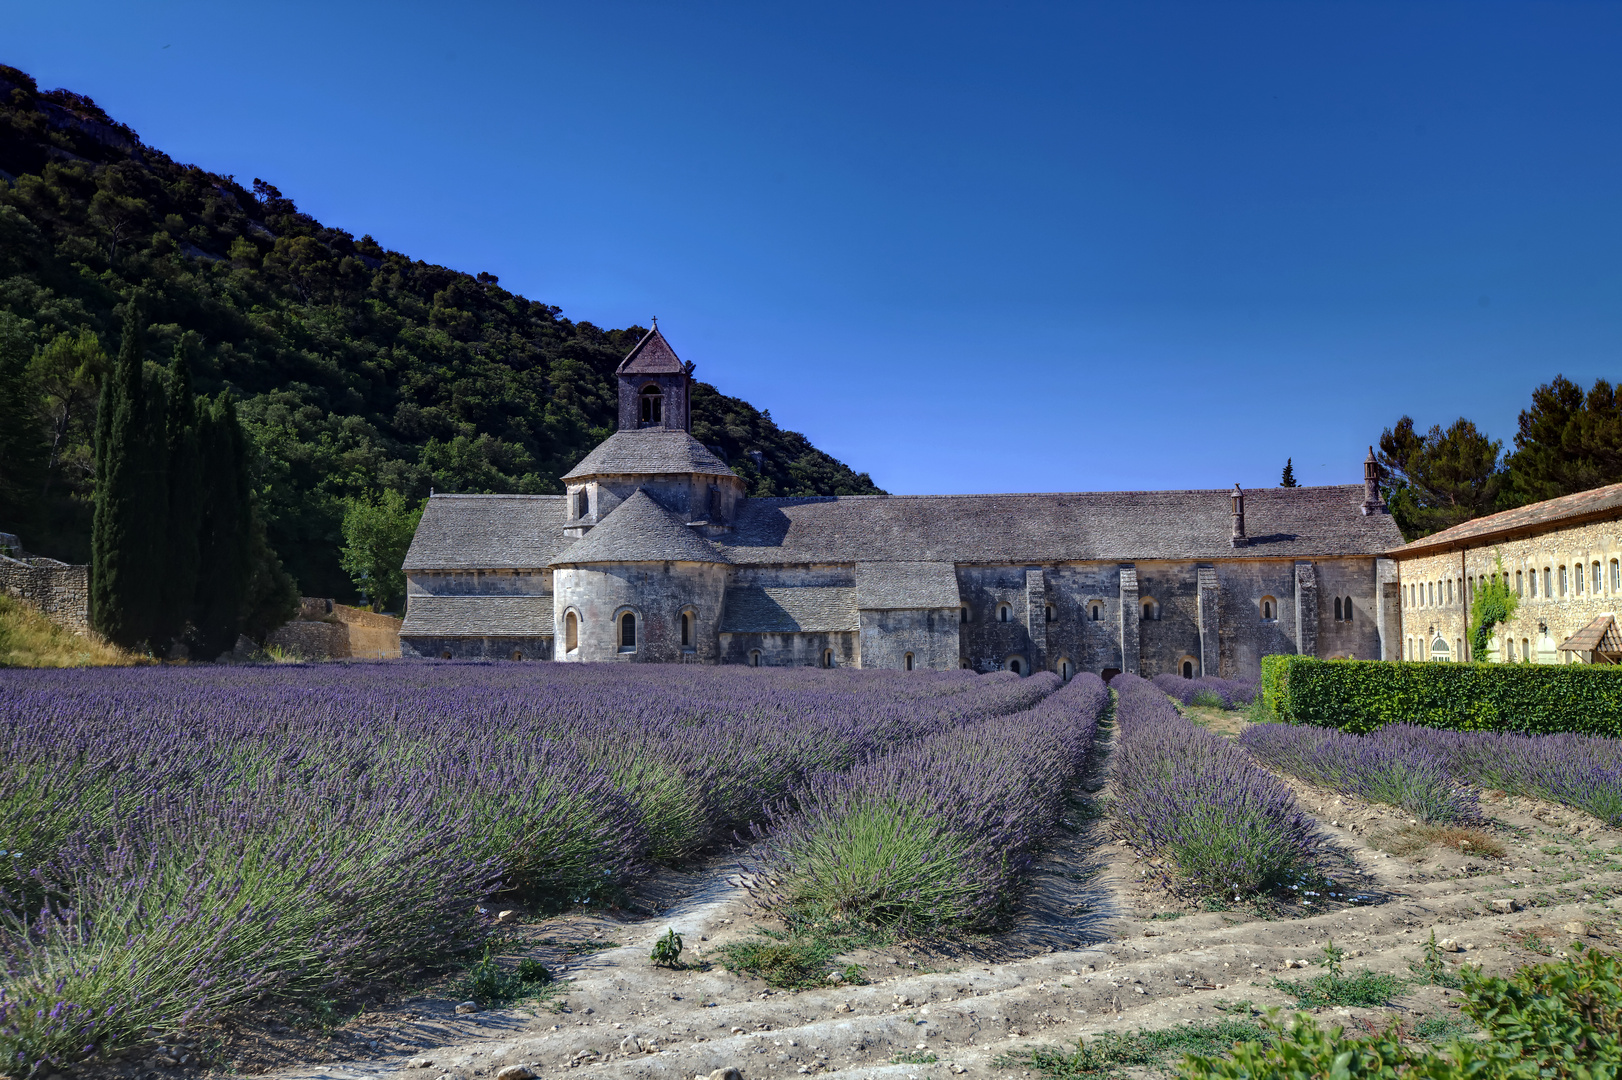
<point>792,650</point>
<point>928,635</point>
<point>326,630</point>
<point>470,648</point>
<point>59,590</point>
<point>656,594</point>
<point>1436,591</point>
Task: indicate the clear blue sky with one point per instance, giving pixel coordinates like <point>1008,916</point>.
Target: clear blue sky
<point>1000,247</point>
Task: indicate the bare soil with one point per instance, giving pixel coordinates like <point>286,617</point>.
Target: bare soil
<point>1098,945</point>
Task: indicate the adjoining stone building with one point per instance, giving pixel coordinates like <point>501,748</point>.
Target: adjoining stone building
<point>1562,558</point>
<point>655,554</point>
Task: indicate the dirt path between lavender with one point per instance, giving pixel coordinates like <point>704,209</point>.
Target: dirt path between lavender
<point>1097,946</point>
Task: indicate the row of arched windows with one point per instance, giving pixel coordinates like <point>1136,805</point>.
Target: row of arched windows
<point>1552,582</point>
<point>627,630</point>
<point>1343,609</point>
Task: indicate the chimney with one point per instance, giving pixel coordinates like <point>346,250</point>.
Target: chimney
<point>1238,517</point>
<point>1372,502</point>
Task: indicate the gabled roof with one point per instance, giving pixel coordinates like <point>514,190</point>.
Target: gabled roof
<point>649,452</point>
<point>482,615</point>
<point>488,532</point>
<point>1598,636</point>
<point>1551,513</point>
<point>812,609</point>
<point>651,356</point>
<point>640,530</point>
<point>1303,522</point>
<point>882,586</point>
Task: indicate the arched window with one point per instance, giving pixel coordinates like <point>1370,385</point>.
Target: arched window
<point>1269,609</point>
<point>1518,582</point>
<point>1096,611</point>
<point>1151,611</point>
<point>1595,580</point>
<point>1016,665</point>
<point>827,658</point>
<point>1188,669</point>
<point>906,661</point>
<point>516,655</point>
<point>1548,582</point>
<point>1562,581</point>
<point>1450,590</point>
<point>1439,649</point>
<point>628,632</point>
<point>963,665</point>
<point>963,613</point>
<point>754,657</point>
<point>1048,612</point>
<point>1509,650</point>
<point>653,404</point>
<point>582,504</point>
<point>1066,669</point>
<point>1348,609</point>
<point>1004,613</point>
<point>1337,609</point>
<point>571,632</point>
<point>687,630</point>
<point>446,655</point>
<point>1526,648</point>
<point>1577,576</point>
<point>1616,576</point>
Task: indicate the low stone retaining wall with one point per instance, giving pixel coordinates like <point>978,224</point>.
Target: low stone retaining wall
<point>326,630</point>
<point>60,590</point>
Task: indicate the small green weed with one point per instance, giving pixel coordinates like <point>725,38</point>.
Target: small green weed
<point>1366,989</point>
<point>1433,968</point>
<point>1109,1054</point>
<point>1443,1029</point>
<point>667,950</point>
<point>913,1057</point>
<point>800,957</point>
<point>489,983</point>
<point>1168,915</point>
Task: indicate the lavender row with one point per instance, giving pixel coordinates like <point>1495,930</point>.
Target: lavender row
<point>1199,802</point>
<point>180,842</point>
<point>1208,690</point>
<point>939,832</point>
<point>1386,766</point>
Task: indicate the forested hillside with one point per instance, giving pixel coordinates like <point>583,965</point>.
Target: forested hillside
<point>358,370</point>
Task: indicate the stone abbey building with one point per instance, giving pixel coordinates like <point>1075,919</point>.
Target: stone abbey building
<point>655,554</point>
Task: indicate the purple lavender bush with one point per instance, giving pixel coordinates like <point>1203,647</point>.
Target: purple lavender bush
<point>1581,771</point>
<point>181,841</point>
<point>1199,802</point>
<point>1208,690</point>
<point>1384,766</point>
<point>938,832</point>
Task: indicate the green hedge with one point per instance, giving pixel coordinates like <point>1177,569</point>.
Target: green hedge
<point>1361,695</point>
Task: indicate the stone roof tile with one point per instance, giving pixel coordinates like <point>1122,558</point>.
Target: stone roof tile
<point>478,616</point>
<point>1303,522</point>
<point>757,609</point>
<point>884,586</point>
<point>651,356</point>
<point>649,452</point>
<point>488,532</point>
<point>640,530</point>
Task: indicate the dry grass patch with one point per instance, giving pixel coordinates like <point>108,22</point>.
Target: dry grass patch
<point>1410,840</point>
<point>29,639</point>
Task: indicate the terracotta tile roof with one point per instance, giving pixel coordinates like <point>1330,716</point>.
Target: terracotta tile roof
<point>1304,522</point>
<point>651,356</point>
<point>757,609</point>
<point>478,616</point>
<point>1598,636</point>
<point>1538,516</point>
<point>649,452</point>
<point>640,530</point>
<point>882,586</point>
<point>488,532</point>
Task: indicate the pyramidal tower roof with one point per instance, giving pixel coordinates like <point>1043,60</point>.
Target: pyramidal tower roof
<point>652,356</point>
<point>640,530</point>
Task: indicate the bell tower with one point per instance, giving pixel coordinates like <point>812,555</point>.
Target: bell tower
<point>653,386</point>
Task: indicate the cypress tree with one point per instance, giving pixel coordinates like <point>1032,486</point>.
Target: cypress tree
<point>224,555</point>
<point>179,580</point>
<point>130,503</point>
<point>1288,477</point>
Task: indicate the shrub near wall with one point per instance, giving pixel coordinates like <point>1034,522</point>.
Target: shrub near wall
<point>1361,695</point>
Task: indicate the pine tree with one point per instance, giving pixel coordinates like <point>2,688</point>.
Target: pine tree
<point>1288,479</point>
<point>131,505</point>
<point>224,551</point>
<point>185,509</point>
<point>21,445</point>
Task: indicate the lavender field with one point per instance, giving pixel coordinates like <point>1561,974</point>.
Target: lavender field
<point>183,842</point>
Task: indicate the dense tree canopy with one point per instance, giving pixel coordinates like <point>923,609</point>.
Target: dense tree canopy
<point>1436,480</point>
<point>356,370</point>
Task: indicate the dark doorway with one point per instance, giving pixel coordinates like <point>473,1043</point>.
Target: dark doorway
<point>1110,673</point>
